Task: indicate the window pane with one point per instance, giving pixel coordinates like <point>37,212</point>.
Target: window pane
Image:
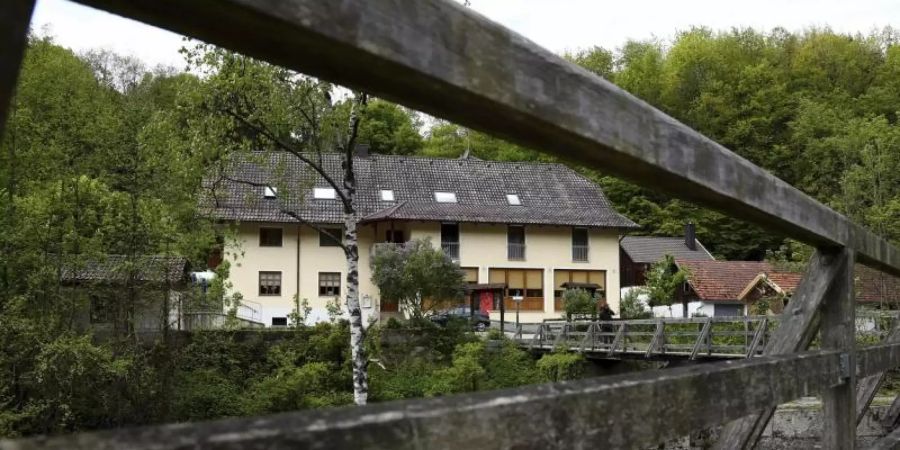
<point>270,192</point>
<point>579,276</point>
<point>270,283</point>
<point>270,237</point>
<point>329,284</point>
<point>328,241</point>
<point>279,321</point>
<point>449,232</point>
<point>580,236</point>
<point>516,234</point>
<point>496,276</point>
<point>516,279</point>
<point>535,279</point>
<point>598,277</point>
<point>387,195</point>
<point>471,274</point>
<point>560,277</point>
<point>513,199</point>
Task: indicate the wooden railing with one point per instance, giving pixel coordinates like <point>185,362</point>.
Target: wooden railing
<point>675,338</point>
<point>442,58</point>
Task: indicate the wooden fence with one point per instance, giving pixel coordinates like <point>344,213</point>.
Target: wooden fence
<point>442,58</point>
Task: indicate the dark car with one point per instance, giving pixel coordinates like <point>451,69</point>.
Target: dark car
<point>480,320</point>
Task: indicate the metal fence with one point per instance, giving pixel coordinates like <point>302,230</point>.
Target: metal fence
<point>444,59</point>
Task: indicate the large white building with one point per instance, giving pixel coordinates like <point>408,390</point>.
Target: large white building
<point>530,227</point>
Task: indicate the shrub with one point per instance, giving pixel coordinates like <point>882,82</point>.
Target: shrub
<point>205,394</point>
<point>579,302</point>
<point>560,366</point>
<point>631,307</point>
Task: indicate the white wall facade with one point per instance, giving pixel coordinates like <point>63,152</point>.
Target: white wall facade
<point>300,259</point>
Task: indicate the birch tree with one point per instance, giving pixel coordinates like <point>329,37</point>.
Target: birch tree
<point>247,105</point>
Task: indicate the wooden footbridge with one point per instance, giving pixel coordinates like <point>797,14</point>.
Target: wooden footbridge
<point>444,59</point>
<point>700,338</point>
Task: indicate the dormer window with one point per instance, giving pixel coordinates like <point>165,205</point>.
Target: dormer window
<point>513,199</point>
<point>324,193</point>
<point>387,195</point>
<point>270,192</point>
<point>445,197</point>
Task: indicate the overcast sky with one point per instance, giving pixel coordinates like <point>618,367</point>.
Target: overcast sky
<point>556,24</point>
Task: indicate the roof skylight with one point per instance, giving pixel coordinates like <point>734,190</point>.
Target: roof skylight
<point>270,192</point>
<point>324,193</point>
<point>387,195</point>
<point>513,199</point>
<point>445,197</point>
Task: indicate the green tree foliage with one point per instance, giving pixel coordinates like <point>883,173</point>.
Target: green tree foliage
<point>390,129</point>
<point>817,109</point>
<point>664,279</point>
<point>561,365</point>
<point>579,303</point>
<point>417,275</point>
<point>631,307</point>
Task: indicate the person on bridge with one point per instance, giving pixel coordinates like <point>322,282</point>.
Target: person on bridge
<point>604,314</point>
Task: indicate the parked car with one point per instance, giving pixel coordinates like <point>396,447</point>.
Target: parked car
<point>480,321</point>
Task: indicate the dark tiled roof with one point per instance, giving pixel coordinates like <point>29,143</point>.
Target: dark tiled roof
<point>551,194</point>
<point>650,249</point>
<point>114,268</point>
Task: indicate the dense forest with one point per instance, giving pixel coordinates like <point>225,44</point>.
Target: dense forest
<point>105,155</point>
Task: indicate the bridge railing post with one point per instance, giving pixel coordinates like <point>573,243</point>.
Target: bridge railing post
<point>838,333</point>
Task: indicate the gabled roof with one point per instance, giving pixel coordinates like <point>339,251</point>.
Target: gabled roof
<point>728,280</point>
<point>551,194</point>
<point>114,268</point>
<point>650,249</point>
<point>873,286</point>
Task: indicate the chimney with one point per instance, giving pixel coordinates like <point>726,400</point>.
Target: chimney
<point>362,150</point>
<point>690,236</point>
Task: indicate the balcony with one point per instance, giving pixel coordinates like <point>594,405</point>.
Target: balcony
<point>580,253</point>
<point>451,249</point>
<point>515,252</point>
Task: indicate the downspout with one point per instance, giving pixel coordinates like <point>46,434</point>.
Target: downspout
<point>297,288</point>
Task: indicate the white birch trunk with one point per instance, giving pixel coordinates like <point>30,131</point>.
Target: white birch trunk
<point>357,331</point>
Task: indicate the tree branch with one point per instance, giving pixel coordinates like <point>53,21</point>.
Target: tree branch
<point>290,212</point>
<point>289,148</point>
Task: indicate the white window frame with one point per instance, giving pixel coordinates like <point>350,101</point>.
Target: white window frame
<point>324,193</point>
<point>513,199</point>
<point>387,195</point>
<point>445,197</point>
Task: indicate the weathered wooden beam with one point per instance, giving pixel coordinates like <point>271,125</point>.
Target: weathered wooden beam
<point>875,359</point>
<point>892,416</point>
<point>838,332</point>
<point>447,60</point>
<point>15,16</point>
<point>868,385</point>
<point>757,337</point>
<point>889,442</point>
<point>704,334</point>
<point>624,411</point>
<point>798,326</point>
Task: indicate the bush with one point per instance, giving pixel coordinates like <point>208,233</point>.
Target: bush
<point>313,385</point>
<point>205,394</point>
<point>560,366</point>
<point>579,303</point>
<point>632,307</point>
